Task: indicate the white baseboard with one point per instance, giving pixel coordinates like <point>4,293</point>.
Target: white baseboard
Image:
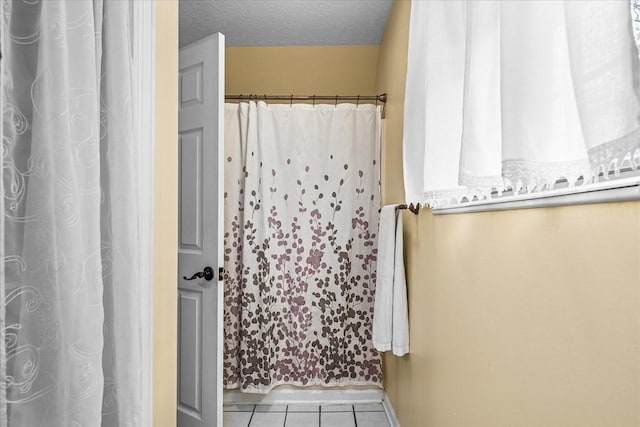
<point>286,395</point>
<point>391,414</point>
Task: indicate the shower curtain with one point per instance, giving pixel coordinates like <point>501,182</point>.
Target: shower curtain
<point>72,287</point>
<point>301,216</point>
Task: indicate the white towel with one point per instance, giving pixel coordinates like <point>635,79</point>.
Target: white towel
<point>390,316</point>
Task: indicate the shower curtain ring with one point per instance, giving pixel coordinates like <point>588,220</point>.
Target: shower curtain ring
<point>336,104</point>
<point>358,101</point>
<point>314,100</point>
<point>291,101</point>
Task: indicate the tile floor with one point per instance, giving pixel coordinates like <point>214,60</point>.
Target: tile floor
<point>307,415</point>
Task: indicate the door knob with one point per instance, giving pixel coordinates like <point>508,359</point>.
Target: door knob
<point>206,274</point>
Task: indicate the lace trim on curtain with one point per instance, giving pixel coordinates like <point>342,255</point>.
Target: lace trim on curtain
<point>453,197</point>
<point>488,181</point>
<point>615,155</point>
<point>519,176</point>
<point>530,177</point>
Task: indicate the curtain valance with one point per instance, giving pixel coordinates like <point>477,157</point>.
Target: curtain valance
<point>518,95</point>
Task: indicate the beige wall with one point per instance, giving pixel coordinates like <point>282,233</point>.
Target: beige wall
<point>518,318</point>
<point>166,215</point>
<point>301,70</point>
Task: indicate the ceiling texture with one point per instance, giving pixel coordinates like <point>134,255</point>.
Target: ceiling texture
<point>285,22</point>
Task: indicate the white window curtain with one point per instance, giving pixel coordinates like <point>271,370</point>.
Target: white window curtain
<point>73,284</point>
<point>518,95</point>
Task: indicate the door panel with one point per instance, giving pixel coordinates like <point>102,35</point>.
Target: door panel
<point>190,369</point>
<point>200,152</point>
<point>191,85</point>
<point>190,214</point>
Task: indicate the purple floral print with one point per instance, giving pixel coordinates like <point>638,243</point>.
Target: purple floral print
<point>301,217</point>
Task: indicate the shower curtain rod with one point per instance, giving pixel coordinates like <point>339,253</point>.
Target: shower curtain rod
<point>378,98</point>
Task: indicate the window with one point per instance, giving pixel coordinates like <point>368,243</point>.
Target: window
<point>522,100</point>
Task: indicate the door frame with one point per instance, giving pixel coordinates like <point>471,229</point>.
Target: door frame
<point>143,50</point>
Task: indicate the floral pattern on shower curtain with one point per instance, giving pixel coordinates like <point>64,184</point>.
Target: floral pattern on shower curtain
<point>301,216</point>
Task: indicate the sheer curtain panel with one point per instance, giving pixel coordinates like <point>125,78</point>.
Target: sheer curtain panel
<point>73,337</point>
<point>518,95</point>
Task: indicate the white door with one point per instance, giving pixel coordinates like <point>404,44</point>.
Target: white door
<point>200,152</point>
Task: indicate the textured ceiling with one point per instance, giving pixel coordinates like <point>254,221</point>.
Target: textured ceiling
<point>285,22</point>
